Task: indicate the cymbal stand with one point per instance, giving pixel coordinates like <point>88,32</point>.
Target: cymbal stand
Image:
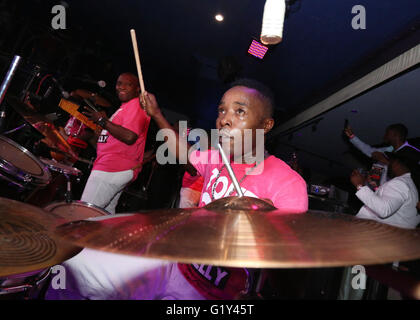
<point>22,126</point>
<point>254,283</point>
<point>4,87</point>
<point>68,195</point>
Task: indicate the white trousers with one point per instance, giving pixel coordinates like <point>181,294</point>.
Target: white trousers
<point>104,189</point>
<point>99,275</point>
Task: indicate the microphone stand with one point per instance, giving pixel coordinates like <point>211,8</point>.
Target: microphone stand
<point>3,89</point>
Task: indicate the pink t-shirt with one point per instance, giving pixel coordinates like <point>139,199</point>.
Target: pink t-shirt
<point>114,155</point>
<point>277,182</point>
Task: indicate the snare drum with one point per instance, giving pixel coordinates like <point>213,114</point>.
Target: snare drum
<point>20,167</point>
<point>75,210</point>
<point>60,167</point>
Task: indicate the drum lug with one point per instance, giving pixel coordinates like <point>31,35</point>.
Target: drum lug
<point>27,178</point>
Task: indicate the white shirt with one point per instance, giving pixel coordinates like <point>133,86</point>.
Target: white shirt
<point>393,203</point>
<point>368,150</point>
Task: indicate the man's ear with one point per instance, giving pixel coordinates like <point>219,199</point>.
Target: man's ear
<point>268,124</point>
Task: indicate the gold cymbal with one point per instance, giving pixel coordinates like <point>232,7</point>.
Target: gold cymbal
<point>86,94</point>
<point>247,232</point>
<point>27,240</point>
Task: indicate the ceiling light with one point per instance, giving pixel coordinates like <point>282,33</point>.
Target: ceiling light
<point>273,19</point>
<point>219,17</point>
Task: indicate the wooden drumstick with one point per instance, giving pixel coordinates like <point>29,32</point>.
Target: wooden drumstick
<point>136,55</point>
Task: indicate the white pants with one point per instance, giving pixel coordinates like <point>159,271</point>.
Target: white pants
<point>99,275</point>
<point>104,189</point>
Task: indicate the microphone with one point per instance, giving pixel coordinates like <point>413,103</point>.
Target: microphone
<point>63,92</point>
<point>102,83</point>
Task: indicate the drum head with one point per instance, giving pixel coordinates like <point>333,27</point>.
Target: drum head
<point>76,210</point>
<point>23,160</point>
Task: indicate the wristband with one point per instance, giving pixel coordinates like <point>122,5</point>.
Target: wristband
<point>101,122</point>
<point>352,136</point>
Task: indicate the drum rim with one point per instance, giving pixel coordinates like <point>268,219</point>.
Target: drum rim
<point>61,170</point>
<point>45,178</point>
<point>78,202</point>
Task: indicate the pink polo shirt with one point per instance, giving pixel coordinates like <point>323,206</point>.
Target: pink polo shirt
<point>114,155</point>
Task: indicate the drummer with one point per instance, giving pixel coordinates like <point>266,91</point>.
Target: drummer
<point>120,146</point>
<point>246,105</point>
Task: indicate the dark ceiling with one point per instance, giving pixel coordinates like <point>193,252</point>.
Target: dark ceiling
<point>181,45</point>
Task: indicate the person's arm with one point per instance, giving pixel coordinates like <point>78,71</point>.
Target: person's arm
<point>175,146</point>
<point>367,149</point>
<point>364,147</point>
<point>393,197</point>
<point>380,157</point>
<point>124,135</point>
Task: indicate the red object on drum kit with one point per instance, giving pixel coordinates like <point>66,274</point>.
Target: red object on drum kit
<point>76,142</point>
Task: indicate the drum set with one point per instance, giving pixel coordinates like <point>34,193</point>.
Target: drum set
<point>35,200</point>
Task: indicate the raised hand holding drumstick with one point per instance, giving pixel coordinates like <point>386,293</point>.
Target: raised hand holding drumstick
<point>137,57</point>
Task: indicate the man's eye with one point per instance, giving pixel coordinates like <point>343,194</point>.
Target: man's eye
<point>221,110</point>
<point>240,111</point>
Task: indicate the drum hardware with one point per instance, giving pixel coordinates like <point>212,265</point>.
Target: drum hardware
<point>4,86</point>
<point>89,162</point>
<point>28,285</point>
<point>90,104</point>
<point>34,74</point>
<point>24,125</point>
<point>68,195</point>
<point>65,170</point>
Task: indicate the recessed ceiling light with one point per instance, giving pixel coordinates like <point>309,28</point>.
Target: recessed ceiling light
<point>219,17</point>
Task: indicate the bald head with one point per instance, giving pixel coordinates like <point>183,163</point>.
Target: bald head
<point>127,87</point>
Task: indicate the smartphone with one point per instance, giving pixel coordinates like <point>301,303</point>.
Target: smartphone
<point>346,123</point>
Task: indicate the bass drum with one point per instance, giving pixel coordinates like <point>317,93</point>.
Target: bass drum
<point>75,210</point>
